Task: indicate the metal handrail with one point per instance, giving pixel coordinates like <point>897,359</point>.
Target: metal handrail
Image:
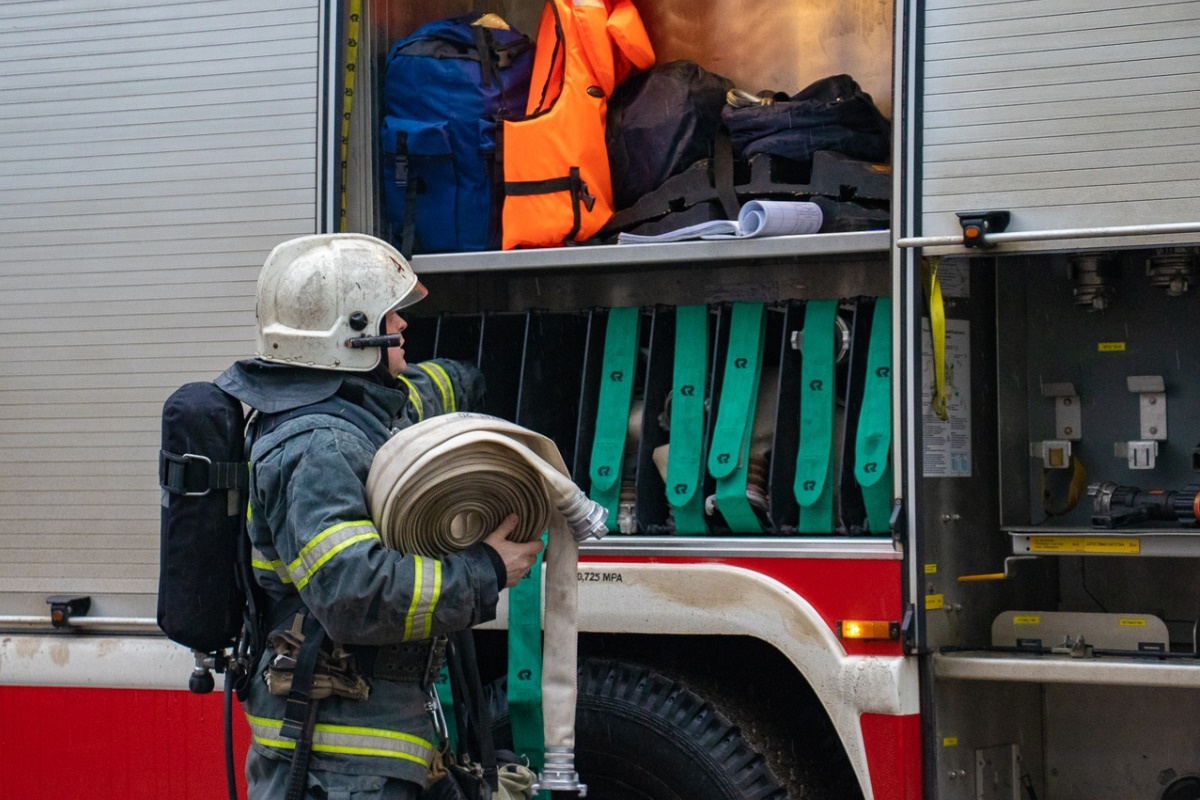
<point>1063,233</point>
<point>34,621</point>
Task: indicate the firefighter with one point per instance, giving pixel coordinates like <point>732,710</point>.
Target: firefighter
<point>379,616</point>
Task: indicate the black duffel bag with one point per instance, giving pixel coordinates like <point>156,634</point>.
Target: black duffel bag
<point>833,113</point>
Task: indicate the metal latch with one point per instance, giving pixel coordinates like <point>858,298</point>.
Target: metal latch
<point>1068,427</point>
<point>1152,413</point>
<point>65,606</point>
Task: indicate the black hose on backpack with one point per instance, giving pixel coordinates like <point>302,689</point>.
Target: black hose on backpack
<point>230,781</point>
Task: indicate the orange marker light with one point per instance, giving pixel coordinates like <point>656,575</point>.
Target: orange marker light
<point>868,629</point>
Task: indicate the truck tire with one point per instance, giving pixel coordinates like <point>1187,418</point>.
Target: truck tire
<point>642,736</point>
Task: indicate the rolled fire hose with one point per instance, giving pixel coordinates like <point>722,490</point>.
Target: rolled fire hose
<point>444,484</point>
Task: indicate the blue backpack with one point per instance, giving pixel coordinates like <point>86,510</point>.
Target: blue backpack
<point>444,88</point>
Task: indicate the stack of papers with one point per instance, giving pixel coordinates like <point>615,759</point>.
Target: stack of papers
<point>757,218</point>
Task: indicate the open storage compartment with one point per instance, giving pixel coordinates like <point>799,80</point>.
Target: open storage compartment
<point>1059,516</point>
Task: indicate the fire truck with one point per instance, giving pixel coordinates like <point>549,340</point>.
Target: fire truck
<point>1022,621</point>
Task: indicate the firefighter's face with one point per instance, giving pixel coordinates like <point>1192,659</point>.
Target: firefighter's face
<point>394,323</point>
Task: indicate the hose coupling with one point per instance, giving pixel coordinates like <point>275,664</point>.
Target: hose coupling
<point>584,516</point>
<point>559,775</point>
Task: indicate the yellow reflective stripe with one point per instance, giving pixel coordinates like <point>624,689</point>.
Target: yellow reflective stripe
<point>347,740</point>
<point>414,397</point>
<point>442,380</point>
<point>427,590</point>
<point>259,560</point>
<point>327,544</point>
<point>452,404</point>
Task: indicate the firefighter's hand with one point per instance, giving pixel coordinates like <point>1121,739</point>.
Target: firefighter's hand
<point>518,558</point>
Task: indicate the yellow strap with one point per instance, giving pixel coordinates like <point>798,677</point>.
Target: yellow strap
<point>413,397</point>
<point>348,98</point>
<point>1075,491</point>
<point>937,332</point>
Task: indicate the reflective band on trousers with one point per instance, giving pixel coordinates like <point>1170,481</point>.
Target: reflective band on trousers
<point>443,484</point>
<point>346,740</point>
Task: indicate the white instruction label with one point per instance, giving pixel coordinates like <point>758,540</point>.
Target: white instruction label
<point>954,276</point>
<point>947,443</point>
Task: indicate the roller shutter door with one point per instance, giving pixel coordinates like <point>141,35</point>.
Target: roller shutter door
<point>1069,113</point>
<point>151,154</point>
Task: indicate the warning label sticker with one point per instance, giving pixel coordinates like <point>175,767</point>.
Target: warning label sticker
<point>947,443</point>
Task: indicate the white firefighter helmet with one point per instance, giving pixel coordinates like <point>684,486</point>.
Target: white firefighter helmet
<point>317,292</point>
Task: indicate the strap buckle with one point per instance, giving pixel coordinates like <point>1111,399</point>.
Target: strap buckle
<point>434,661</point>
<point>173,470</point>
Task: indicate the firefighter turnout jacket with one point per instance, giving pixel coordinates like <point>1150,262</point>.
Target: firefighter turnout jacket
<point>314,542</point>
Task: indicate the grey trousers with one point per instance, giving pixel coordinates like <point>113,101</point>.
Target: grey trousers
<point>267,779</point>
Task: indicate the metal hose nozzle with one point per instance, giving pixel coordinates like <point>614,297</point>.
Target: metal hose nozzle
<point>585,517</point>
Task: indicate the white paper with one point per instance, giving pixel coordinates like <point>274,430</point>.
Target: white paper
<point>947,443</point>
<point>757,218</point>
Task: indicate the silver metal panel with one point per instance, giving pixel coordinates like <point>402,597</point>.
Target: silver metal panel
<point>1068,113</point>
<point>1105,741</point>
<point>972,719</point>
<point>152,154</point>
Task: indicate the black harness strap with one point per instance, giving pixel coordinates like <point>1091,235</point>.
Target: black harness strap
<point>408,182</point>
<point>300,716</point>
<point>471,715</point>
<point>723,174</point>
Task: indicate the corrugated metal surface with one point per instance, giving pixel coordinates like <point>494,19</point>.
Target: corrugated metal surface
<point>151,154</point>
<point>1069,113</point>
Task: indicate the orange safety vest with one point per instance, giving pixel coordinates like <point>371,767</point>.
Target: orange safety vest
<point>557,185</point>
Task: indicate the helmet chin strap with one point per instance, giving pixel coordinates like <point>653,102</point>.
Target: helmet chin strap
<point>383,376</point>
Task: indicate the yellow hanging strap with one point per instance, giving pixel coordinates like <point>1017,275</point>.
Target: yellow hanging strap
<point>937,332</point>
<point>1076,490</point>
<point>348,99</point>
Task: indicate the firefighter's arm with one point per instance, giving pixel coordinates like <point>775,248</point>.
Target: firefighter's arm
<point>443,385</point>
<point>360,591</point>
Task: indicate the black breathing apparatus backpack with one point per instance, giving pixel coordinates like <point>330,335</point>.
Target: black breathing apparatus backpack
<point>207,599</point>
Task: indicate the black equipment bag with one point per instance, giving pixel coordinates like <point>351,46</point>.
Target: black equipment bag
<point>660,122</point>
<point>833,113</point>
<point>203,474</point>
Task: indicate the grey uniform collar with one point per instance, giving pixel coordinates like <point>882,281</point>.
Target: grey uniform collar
<point>274,388</point>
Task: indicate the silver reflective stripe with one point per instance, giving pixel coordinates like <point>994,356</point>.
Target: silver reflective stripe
<point>346,740</point>
<point>327,544</point>
<point>261,561</point>
<point>427,590</point>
